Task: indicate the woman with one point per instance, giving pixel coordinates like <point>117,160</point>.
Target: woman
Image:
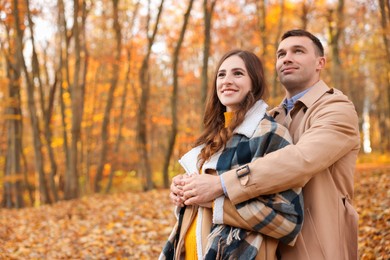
<point>237,130</point>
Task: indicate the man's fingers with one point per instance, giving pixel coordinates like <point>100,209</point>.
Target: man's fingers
<point>190,194</point>
<point>187,194</point>
<point>188,185</point>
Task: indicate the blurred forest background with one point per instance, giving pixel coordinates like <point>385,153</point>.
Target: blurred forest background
<point>105,95</point>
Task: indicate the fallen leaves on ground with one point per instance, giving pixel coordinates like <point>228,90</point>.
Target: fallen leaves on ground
<point>136,225</point>
<point>372,201</point>
<point>118,226</point>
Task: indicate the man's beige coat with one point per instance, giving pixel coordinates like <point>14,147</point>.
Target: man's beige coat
<point>324,128</point>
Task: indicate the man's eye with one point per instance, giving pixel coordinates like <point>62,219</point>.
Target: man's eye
<point>299,51</point>
<point>280,55</point>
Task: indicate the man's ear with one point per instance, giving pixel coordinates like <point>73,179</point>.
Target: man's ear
<point>321,63</point>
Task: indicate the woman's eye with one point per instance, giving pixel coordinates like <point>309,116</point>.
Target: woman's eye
<point>238,73</point>
<point>220,75</point>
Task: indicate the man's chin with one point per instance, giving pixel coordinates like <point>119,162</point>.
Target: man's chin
<point>288,80</point>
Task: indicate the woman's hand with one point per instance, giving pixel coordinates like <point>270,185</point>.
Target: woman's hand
<point>176,194</point>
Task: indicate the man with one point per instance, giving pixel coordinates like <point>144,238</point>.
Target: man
<point>324,126</point>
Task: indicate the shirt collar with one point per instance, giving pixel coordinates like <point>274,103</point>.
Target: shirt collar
<point>317,91</point>
<point>314,93</point>
<point>288,103</point>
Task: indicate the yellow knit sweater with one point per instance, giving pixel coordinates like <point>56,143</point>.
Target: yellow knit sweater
<point>190,241</point>
<point>190,237</point>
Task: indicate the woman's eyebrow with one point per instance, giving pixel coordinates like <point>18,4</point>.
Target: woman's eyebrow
<point>242,69</point>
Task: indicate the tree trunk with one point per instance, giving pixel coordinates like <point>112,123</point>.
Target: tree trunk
<point>110,98</point>
<point>12,188</point>
<point>76,94</point>
<point>89,136</point>
<point>208,9</point>
<point>384,118</point>
<point>335,29</point>
<point>124,98</point>
<point>275,86</point>
<point>43,190</point>
<point>46,113</point>
<point>145,166</point>
<point>261,10</point>
<point>63,80</point>
<point>175,75</point>
<point>304,15</point>
<point>121,119</point>
<point>261,16</point>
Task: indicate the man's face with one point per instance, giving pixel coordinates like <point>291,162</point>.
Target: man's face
<point>298,65</point>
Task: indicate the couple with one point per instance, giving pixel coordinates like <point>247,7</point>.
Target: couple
<point>250,181</point>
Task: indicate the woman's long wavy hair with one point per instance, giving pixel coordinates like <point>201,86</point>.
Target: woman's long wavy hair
<point>215,135</point>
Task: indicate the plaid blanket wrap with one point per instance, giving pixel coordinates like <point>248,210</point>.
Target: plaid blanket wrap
<point>277,215</point>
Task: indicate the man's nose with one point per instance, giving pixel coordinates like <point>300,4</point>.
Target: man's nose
<point>287,58</point>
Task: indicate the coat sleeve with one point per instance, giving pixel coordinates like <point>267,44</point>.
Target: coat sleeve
<point>273,215</point>
<point>331,132</point>
<point>277,215</point>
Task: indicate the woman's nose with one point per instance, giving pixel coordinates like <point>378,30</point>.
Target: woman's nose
<point>227,79</point>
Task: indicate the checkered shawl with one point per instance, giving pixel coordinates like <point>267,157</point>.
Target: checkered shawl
<point>277,215</point>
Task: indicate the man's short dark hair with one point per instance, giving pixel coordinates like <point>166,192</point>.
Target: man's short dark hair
<point>314,39</point>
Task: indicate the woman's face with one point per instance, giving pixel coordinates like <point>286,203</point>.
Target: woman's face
<point>233,82</point>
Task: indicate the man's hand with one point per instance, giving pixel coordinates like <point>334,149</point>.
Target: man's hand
<point>201,189</point>
<point>176,194</point>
